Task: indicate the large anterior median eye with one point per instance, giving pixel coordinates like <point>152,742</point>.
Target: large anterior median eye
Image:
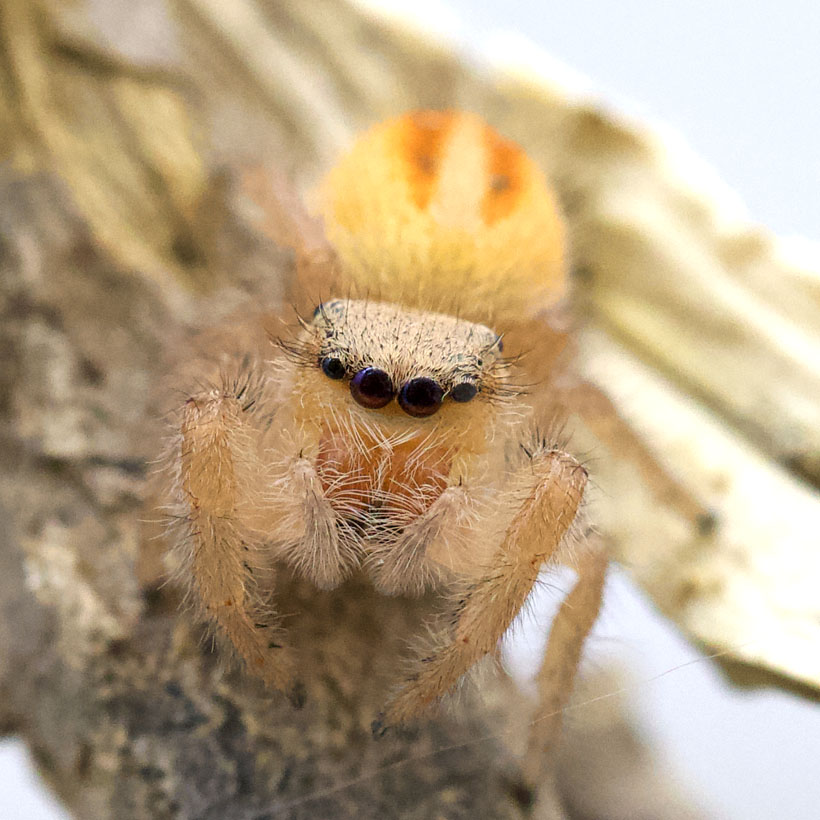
<point>372,388</point>
<point>421,397</point>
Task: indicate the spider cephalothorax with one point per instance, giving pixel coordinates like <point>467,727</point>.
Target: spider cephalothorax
<point>422,359</point>
<point>401,365</point>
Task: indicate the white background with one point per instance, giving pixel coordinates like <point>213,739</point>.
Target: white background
<point>741,82</point>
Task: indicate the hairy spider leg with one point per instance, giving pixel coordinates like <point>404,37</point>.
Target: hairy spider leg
<point>559,667</point>
<point>220,471</point>
<point>553,483</point>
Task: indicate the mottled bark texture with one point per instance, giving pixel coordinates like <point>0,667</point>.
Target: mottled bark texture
<point>123,128</point>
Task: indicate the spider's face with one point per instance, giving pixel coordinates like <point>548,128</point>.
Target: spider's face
<point>392,402</point>
<point>392,359</point>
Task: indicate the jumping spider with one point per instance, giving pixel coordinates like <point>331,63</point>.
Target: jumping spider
<point>389,438</point>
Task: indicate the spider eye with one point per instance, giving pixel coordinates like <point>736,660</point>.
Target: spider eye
<point>333,368</point>
<point>421,397</point>
<point>464,392</point>
<point>372,388</point>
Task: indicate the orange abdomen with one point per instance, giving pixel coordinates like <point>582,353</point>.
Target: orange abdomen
<point>436,210</point>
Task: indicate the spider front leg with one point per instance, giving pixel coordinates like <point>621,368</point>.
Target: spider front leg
<point>219,496</point>
<point>552,484</point>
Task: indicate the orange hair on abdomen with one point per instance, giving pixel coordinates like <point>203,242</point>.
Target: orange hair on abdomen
<point>436,210</point>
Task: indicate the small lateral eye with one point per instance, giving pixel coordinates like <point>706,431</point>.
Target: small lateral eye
<point>333,368</point>
<point>464,392</point>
